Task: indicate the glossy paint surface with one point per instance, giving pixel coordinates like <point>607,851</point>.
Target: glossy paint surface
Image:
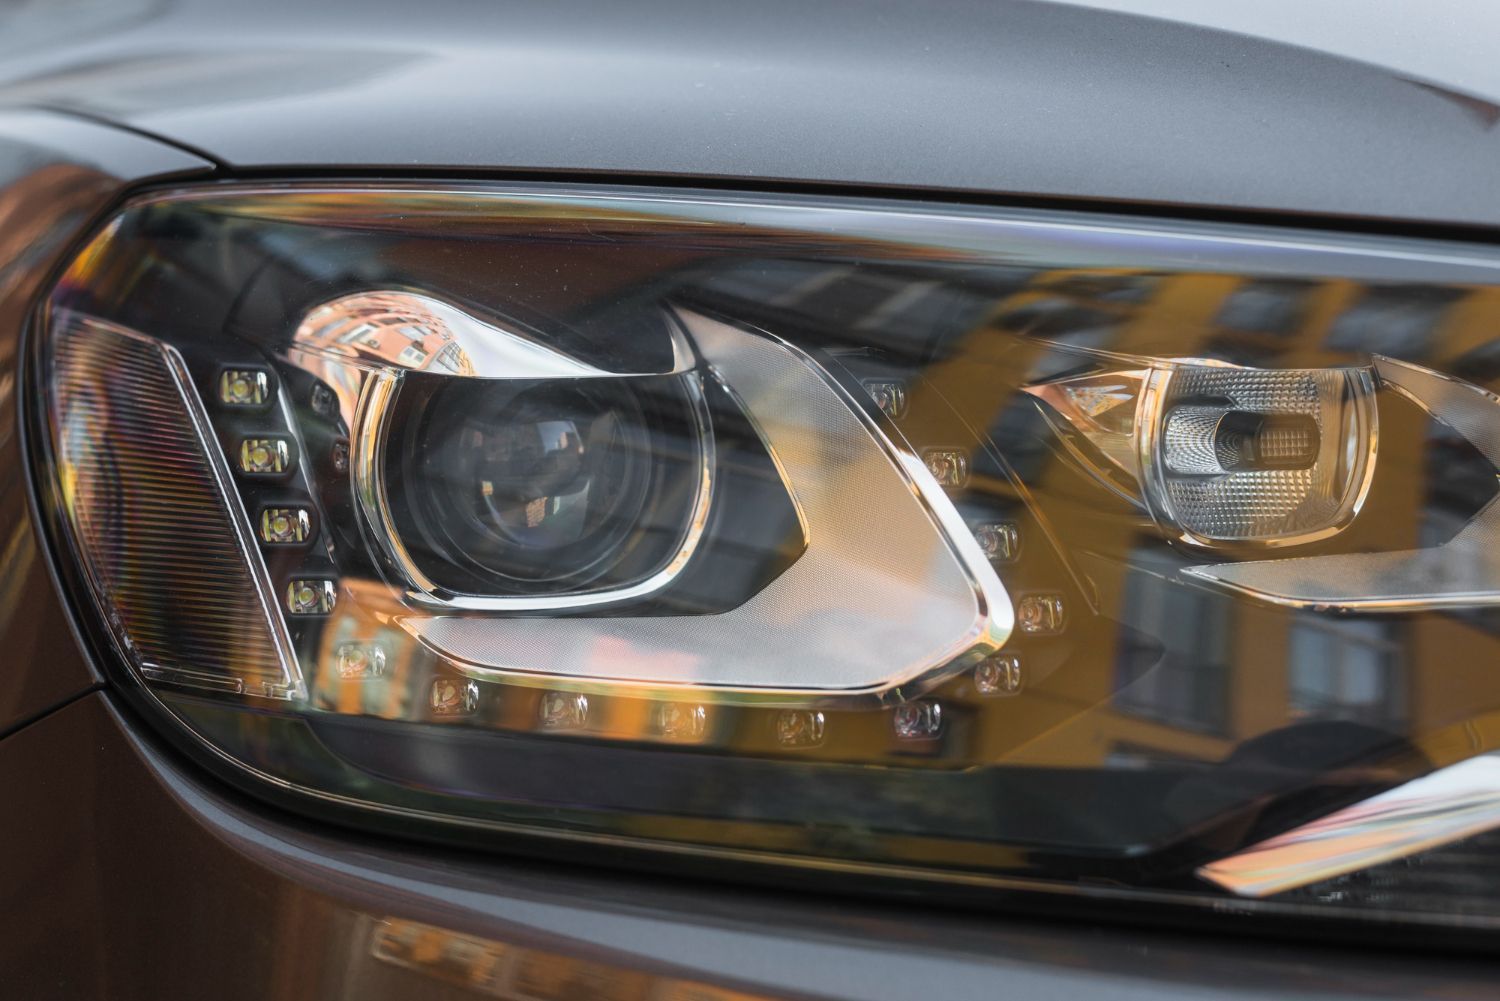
<point>55,174</point>
<point>143,881</point>
<point>1014,98</point>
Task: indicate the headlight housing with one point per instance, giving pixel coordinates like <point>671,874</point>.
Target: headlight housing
<point>1067,550</point>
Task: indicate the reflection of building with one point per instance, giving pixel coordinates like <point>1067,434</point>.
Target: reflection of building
<point>1345,669</point>
<point>382,330</point>
<point>364,615</point>
<point>1171,672</point>
<point>1187,684</point>
<point>1192,674</point>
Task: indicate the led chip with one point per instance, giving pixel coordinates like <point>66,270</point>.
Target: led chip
<point>244,387</point>
<point>280,526</point>
<point>563,710</point>
<point>453,697</point>
<point>360,661</point>
<point>679,720</point>
<point>889,395</point>
<point>1040,614</point>
<point>949,466</point>
<point>310,596</point>
<point>799,727</point>
<point>999,675</point>
<point>265,456</point>
<point>324,401</point>
<point>1000,541</point>
<point>918,720</point>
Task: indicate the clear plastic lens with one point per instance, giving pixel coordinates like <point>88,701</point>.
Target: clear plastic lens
<point>955,542</point>
<point>562,486</point>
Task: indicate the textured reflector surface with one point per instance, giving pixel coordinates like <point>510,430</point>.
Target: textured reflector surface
<point>1315,495</point>
<point>164,554</point>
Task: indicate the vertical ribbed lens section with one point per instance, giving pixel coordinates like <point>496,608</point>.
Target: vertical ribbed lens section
<point>141,486</point>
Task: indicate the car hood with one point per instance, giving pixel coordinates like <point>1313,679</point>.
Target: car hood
<point>1388,116</point>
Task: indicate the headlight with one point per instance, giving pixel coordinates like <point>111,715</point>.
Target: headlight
<point>1061,552</point>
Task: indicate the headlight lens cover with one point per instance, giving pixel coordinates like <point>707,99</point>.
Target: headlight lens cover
<point>1052,550</point>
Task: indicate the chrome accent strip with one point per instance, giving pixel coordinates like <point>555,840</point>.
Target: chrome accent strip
<point>444,339</point>
<point>1437,809</point>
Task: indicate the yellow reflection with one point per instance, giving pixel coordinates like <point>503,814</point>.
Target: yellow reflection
<point>505,970</point>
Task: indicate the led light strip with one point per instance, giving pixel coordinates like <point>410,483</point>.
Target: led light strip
<point>1448,805</point>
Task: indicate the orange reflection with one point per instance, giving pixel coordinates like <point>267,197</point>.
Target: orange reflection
<point>504,970</point>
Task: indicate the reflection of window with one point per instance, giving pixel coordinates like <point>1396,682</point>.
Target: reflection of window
<point>1441,524</point>
<point>1061,319</point>
<point>411,356</point>
<point>1345,669</point>
<point>1173,654</point>
<point>1103,286</point>
<point>1126,755</point>
<point>362,332</point>
<point>449,359</point>
<point>1391,320</point>
<point>1479,365</point>
<point>1264,307</point>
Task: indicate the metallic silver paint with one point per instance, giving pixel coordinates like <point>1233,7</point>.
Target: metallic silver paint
<point>144,880</point>
<point>1243,110</point>
<point>56,172</point>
